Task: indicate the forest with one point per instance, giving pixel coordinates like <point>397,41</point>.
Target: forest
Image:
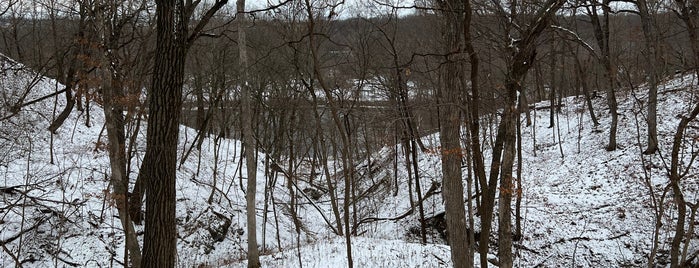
<point>333,133</point>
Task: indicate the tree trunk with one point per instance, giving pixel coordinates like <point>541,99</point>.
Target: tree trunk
<point>421,209</point>
<point>552,86</point>
<point>114,122</point>
<point>70,101</point>
<point>320,147</point>
<point>485,207</point>
<point>601,31</point>
<point>451,172</point>
<point>68,79</point>
<point>651,43</point>
<point>522,59</point>
<point>113,93</point>
<point>449,134</point>
<point>582,78</point>
<point>248,141</point>
<point>509,119</point>
<point>675,176</point>
<point>160,160</point>
<point>344,135</point>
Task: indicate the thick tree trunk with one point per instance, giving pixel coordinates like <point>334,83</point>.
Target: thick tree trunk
<point>451,171</point>
<point>160,161</point>
<point>450,133</point>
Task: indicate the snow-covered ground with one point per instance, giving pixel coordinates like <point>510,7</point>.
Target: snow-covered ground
<point>582,206</point>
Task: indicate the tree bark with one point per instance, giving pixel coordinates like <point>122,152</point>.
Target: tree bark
<point>652,54</point>
<point>248,141</point>
<point>601,31</point>
<point>160,160</point>
<point>675,177</point>
<point>113,96</point>
<point>522,59</point>
<point>449,133</point>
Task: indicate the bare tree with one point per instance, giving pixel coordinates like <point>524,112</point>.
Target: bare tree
<point>688,12</point>
<point>164,106</point>
<point>650,34</point>
<point>455,15</point>
<point>335,113</point>
<point>519,63</point>
<point>109,22</point>
<point>676,175</point>
<point>248,139</point>
<point>601,31</point>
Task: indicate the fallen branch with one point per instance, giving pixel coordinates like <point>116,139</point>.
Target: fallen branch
<point>533,107</point>
<point>585,238</point>
<point>327,221</point>
<point>22,232</point>
<point>432,191</point>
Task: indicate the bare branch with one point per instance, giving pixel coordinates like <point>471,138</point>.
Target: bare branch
<point>196,32</point>
<point>577,38</point>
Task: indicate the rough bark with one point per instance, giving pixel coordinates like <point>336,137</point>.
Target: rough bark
<point>450,133</point>
<point>158,169</point>
<point>160,161</point>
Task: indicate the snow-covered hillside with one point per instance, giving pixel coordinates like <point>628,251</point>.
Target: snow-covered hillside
<point>582,206</point>
<point>56,209</point>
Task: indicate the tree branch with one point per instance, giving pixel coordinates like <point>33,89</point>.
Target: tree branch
<point>196,32</point>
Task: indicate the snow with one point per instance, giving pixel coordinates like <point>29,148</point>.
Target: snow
<point>367,252</point>
<point>581,205</point>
